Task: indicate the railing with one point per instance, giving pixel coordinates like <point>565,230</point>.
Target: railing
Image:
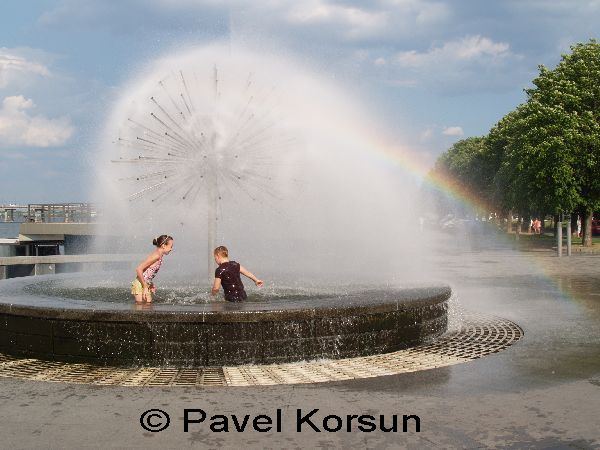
<point>62,259</point>
<point>62,213</point>
<point>13,213</point>
<point>49,213</point>
<point>19,266</point>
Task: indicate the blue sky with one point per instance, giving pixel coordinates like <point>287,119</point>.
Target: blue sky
<point>435,71</point>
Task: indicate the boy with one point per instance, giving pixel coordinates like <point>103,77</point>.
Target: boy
<point>228,275</point>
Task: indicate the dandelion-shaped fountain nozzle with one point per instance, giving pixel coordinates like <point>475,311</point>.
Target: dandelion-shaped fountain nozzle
<point>199,136</point>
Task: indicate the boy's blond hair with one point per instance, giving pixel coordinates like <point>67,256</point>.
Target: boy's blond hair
<point>222,251</point>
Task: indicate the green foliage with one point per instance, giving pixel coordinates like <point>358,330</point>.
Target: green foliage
<point>537,171</point>
<point>465,161</point>
<point>565,105</point>
<point>544,155</point>
<point>469,164</point>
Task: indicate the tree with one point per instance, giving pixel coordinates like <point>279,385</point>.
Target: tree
<point>467,163</point>
<point>506,186</point>
<point>545,155</point>
<point>537,171</point>
<point>565,105</point>
<point>549,147</point>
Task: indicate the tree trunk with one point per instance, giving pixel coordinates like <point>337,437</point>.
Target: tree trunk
<point>555,219</point>
<point>587,228</point>
<point>509,217</point>
<point>574,223</point>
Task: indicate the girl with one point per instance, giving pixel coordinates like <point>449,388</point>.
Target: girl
<point>143,287</point>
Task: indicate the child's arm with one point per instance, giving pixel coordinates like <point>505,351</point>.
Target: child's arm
<point>216,286</point>
<point>249,274</point>
<point>140,271</point>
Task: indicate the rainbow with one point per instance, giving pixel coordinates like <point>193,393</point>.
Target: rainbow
<point>410,161</point>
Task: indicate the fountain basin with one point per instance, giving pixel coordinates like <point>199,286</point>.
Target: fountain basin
<point>358,323</point>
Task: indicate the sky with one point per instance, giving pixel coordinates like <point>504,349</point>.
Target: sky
<point>433,71</point>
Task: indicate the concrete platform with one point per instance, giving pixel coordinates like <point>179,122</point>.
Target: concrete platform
<point>542,393</point>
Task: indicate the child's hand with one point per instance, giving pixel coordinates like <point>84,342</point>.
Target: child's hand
<point>145,293</point>
<point>259,283</point>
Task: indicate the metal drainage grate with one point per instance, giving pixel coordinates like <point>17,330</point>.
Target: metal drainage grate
<point>479,336</point>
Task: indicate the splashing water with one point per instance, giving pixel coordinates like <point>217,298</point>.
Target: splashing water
<point>260,154</point>
<point>189,142</point>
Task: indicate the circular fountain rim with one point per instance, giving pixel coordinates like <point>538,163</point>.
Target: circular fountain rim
<point>480,335</point>
<point>16,302</point>
<point>358,323</point>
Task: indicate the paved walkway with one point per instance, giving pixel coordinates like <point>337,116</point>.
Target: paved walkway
<point>543,392</point>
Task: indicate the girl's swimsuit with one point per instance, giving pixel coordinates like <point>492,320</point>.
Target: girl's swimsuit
<point>149,274</point>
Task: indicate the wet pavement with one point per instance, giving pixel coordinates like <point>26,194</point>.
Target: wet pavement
<point>543,392</point>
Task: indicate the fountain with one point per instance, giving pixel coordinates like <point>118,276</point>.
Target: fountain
<point>257,153</point>
<point>41,318</point>
<point>191,139</point>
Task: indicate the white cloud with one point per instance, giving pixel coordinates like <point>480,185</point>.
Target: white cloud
<point>381,20</point>
<point>426,134</point>
<point>431,13</point>
<point>469,64</point>
<point>14,66</point>
<point>357,22</point>
<point>470,48</point>
<point>453,131</point>
<point>423,12</point>
<point>19,128</point>
<point>380,61</point>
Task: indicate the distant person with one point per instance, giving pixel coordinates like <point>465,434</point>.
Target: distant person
<point>531,228</point>
<point>537,226</point>
<point>578,226</point>
<point>143,286</point>
<point>228,276</point>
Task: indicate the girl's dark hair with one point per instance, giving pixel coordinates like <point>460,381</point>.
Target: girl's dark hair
<point>162,239</point>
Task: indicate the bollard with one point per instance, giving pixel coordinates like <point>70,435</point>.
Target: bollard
<point>559,238</point>
<point>569,237</point>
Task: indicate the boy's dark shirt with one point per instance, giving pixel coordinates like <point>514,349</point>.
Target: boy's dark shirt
<point>229,273</point>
